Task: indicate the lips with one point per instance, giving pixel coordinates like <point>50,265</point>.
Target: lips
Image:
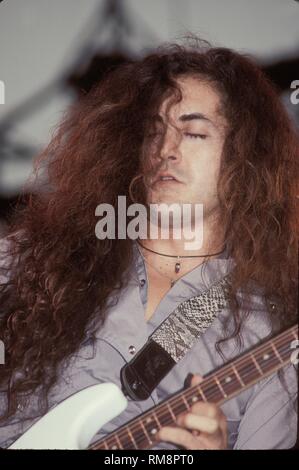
<point>166,177</point>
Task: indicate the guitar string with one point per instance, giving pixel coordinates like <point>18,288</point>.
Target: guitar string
<point>155,442</point>
<point>143,439</point>
<point>210,382</point>
<point>197,387</point>
<point>183,410</point>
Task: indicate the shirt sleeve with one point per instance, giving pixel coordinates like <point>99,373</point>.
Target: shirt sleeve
<point>270,417</point>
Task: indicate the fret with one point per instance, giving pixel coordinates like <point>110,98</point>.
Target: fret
<point>204,398</point>
<point>284,348</point>
<point>185,402</point>
<point>125,439</point>
<point>171,413</point>
<point>248,369</point>
<point>113,442</point>
<point>99,446</point>
<point>146,433</point>
<point>192,396</point>
<point>164,415</point>
<point>189,398</point>
<point>179,405</point>
<point>118,441</point>
<point>151,425</point>
<point>256,364</point>
<point>137,434</point>
<point>212,391</point>
<point>194,399</point>
<point>220,386</point>
<point>157,419</point>
<point>276,353</point>
<point>103,445</point>
<point>238,376</point>
<point>266,359</point>
<point>229,382</point>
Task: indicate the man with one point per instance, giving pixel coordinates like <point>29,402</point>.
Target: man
<point>187,126</point>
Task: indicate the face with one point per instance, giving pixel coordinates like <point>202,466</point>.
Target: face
<point>192,148</point>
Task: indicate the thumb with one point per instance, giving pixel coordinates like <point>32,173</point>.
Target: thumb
<point>196,380</point>
<point>192,379</point>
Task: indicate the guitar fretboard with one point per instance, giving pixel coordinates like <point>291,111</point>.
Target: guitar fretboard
<point>217,387</point>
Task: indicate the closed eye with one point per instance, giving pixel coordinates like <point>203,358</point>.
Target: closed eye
<point>196,136</point>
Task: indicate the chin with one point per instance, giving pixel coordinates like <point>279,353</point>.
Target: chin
<point>167,200</point>
<point>166,197</point>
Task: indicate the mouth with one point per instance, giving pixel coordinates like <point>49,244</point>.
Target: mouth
<point>166,178</point>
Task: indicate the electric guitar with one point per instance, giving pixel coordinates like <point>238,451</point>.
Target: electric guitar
<point>73,423</point>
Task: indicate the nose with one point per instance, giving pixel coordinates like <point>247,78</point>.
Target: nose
<point>170,148</point>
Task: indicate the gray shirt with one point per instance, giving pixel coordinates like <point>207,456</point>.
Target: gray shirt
<point>262,417</point>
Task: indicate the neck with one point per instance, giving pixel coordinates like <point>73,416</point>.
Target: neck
<point>212,241</point>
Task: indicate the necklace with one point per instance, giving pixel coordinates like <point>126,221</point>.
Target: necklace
<point>177,266</point>
<point>172,281</point>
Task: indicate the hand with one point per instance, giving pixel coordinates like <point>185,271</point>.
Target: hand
<point>202,427</point>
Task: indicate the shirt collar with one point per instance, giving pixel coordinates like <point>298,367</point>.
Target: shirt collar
<point>205,274</point>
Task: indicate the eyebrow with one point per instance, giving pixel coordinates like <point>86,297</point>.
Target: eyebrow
<point>194,116</point>
<point>190,117</point>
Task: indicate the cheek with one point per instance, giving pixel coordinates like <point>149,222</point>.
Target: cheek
<point>205,170</point>
<point>194,152</point>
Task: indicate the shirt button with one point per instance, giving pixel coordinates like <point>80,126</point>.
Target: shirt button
<point>132,349</point>
<point>142,282</point>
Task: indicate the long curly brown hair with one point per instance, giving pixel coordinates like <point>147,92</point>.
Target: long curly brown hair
<point>58,276</point>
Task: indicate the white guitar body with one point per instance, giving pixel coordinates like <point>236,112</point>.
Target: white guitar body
<point>73,423</point>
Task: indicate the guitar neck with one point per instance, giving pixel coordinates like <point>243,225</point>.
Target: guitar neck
<point>218,387</point>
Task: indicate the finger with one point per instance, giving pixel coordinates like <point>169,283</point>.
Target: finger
<point>196,380</point>
<point>199,423</point>
<point>217,440</point>
<point>209,410</point>
<point>180,437</point>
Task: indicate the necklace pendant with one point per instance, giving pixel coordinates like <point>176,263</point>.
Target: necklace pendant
<point>177,267</point>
